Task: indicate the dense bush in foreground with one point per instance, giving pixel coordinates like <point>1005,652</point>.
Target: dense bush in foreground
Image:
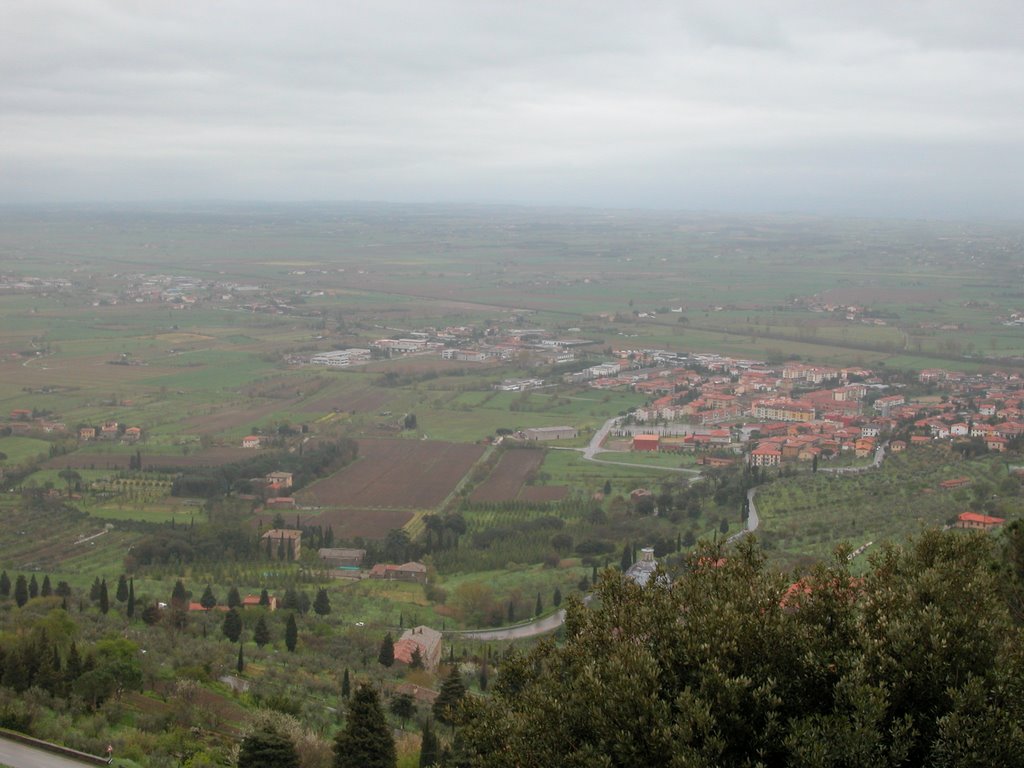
<point>917,663</point>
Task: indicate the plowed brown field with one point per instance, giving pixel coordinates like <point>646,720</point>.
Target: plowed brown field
<point>395,474</point>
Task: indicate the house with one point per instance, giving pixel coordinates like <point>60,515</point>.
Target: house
<point>253,601</point>
<point>424,639</point>
<point>110,430</point>
<point>280,479</point>
<point>407,572</point>
<point>550,433</point>
<point>974,521</point>
<point>251,441</point>
<point>954,483</point>
<point>132,435</point>
<point>766,456</point>
<point>646,442</point>
<point>996,443</point>
<point>282,543</point>
<point>898,446</point>
<point>87,433</point>
<point>341,557</point>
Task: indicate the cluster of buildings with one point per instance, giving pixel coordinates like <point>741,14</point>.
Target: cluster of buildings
<point>22,421</point>
<point>802,412</point>
<point>110,430</point>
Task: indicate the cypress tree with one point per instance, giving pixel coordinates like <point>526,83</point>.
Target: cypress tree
<point>234,599</point>
<point>539,608</point>
<point>240,664</point>
<point>122,589</point>
<point>365,741</point>
<point>33,588</point>
<point>130,607</point>
<point>386,656</point>
<point>5,585</point>
<point>291,633</point>
<point>627,558</point>
<point>416,660</point>
<point>104,598</point>
<point>428,747</point>
<point>178,595</point>
<point>322,603</point>
<point>453,691</point>
<point>303,602</point>
<point>208,600</point>
<point>232,626</point>
<point>46,590</point>
<point>261,634</point>
<point>94,590</point>
<point>20,590</point>
<point>556,598</point>
<point>346,685</point>
<point>264,598</point>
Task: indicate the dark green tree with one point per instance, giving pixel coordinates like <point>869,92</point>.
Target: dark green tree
<point>240,664</point>
<point>104,597</point>
<point>122,589</point>
<point>46,589</point>
<point>94,590</point>
<point>429,753</point>
<point>234,599</point>
<point>899,666</point>
<point>556,598</point>
<point>208,600</point>
<point>346,685</point>
<point>5,584</point>
<point>448,701</point>
<point>416,659</point>
<point>267,749</point>
<point>607,487</point>
<point>33,588</point>
<point>264,598</point>
<point>386,655</point>
<point>365,741</point>
<point>129,609</point>
<point>291,633</point>
<point>538,609</point>
<point>303,603</point>
<point>20,590</point>
<point>261,633</point>
<point>627,558</point>
<point>322,603</point>
<point>403,707</point>
<point>179,597</point>
<point>232,626</point>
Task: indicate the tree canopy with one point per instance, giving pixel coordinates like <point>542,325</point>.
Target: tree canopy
<point>365,741</point>
<point>917,662</point>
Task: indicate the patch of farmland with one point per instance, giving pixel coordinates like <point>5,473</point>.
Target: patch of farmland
<point>233,417</point>
<point>509,476</point>
<point>368,523</point>
<point>46,539</point>
<point>210,457</point>
<point>362,400</point>
<point>415,474</point>
<point>539,494</point>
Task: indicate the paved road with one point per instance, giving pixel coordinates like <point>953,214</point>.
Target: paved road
<point>875,463</point>
<point>523,631</point>
<point>753,520</point>
<point>594,448</point>
<point>23,756</point>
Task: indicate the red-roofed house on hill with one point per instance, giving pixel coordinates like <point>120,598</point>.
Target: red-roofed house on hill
<point>427,640</point>
<point>974,521</point>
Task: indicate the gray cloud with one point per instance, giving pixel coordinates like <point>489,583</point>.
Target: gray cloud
<point>910,108</point>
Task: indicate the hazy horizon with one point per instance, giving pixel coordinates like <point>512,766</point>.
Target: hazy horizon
<point>879,110</point>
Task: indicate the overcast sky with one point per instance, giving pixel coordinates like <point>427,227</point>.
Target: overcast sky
<point>873,107</point>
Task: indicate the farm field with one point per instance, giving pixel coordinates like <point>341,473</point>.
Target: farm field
<point>395,474</point>
<point>86,459</point>
<point>352,523</point>
<point>509,476</point>
<point>806,516</point>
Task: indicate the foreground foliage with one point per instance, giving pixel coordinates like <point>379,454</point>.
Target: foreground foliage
<point>918,663</point>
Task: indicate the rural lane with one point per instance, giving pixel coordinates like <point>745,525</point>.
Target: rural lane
<point>521,632</point>
<point>23,756</point>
